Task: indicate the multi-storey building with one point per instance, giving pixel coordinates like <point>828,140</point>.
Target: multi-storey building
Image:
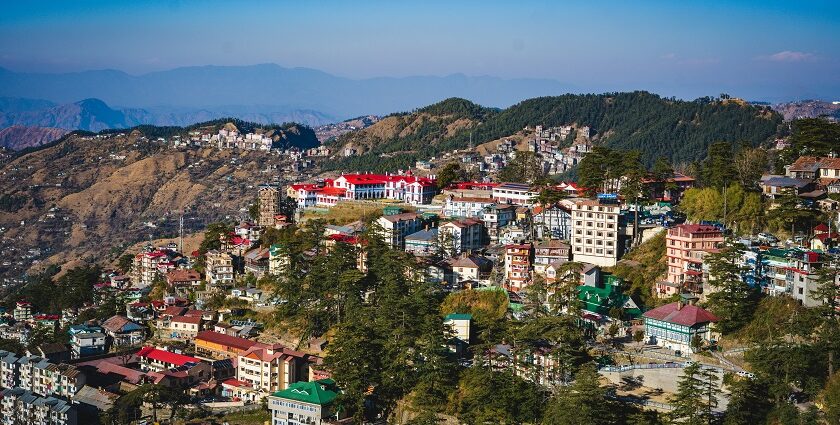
<point>310,403</point>
<point>23,311</point>
<point>597,232</point>
<point>146,266</point>
<point>465,207</point>
<point>471,268</point>
<point>87,341</point>
<point>401,187</point>
<point>269,200</point>
<point>495,217</point>
<point>20,406</point>
<point>514,193</point>
<point>685,247</point>
<point>219,345</point>
<point>466,235</point>
<point>219,268</point>
<point>674,326</point>
<point>553,221</point>
<point>423,243</point>
<point>270,367</point>
<point>396,227</point>
<point>548,252</point>
<point>518,266</point>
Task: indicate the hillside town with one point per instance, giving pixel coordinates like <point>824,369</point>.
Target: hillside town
<point>201,326</point>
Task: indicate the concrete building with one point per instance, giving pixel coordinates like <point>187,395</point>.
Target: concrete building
<point>466,235</point>
<point>597,232</point>
<point>514,193</point>
<point>518,266</point>
<point>553,221</point>
<point>310,403</point>
<point>685,247</point>
<point>396,227</point>
<point>548,252</point>
<point>269,200</point>
<point>495,217</point>
<point>465,207</point>
<point>270,367</point>
<point>219,268</point>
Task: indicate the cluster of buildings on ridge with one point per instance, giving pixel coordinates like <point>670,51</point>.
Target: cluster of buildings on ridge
<point>470,235</point>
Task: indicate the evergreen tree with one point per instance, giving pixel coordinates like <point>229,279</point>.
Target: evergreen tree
<point>733,300</point>
<point>695,398</point>
<point>748,403</point>
<point>718,168</point>
<point>585,402</point>
<point>828,331</point>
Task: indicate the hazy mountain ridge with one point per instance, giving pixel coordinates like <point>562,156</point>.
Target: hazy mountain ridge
<point>19,137</point>
<point>808,109</point>
<point>209,87</point>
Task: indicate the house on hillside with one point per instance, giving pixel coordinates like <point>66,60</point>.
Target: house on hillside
<point>679,326</point>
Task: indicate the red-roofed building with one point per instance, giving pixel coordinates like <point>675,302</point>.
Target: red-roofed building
<point>270,367</point>
<point>685,247</point>
<point>219,345</point>
<point>675,325</point>
<point>155,359</point>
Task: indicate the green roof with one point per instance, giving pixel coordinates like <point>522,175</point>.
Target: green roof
<point>321,392</point>
<point>600,299</point>
<point>459,316</point>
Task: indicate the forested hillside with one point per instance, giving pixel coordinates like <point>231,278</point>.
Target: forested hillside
<point>678,130</point>
<point>398,140</point>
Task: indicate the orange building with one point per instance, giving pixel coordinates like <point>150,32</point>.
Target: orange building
<point>219,345</point>
<point>517,266</point>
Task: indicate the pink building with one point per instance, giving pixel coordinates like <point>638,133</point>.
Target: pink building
<point>685,247</point>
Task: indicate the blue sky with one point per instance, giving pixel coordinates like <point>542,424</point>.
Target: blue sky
<point>755,49</point>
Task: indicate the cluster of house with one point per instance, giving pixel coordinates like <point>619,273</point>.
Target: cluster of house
<point>550,144</point>
<point>810,178</point>
<point>402,187</point>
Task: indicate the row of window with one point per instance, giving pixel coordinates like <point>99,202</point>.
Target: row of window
<point>600,251</point>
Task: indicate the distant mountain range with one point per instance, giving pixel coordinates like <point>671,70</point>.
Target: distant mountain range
<point>271,92</point>
<point>808,109</point>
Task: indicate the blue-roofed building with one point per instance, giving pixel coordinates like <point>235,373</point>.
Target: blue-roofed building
<point>422,243</point>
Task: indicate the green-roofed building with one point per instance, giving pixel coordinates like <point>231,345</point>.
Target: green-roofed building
<point>392,210</point>
<point>601,296</point>
<point>305,403</point>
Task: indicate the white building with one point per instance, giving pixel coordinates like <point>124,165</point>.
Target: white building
<point>597,232</point>
<point>397,226</point>
<point>514,193</point>
<point>466,207</point>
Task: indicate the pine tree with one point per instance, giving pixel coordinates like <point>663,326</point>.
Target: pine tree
<point>696,392</point>
<point>828,331</point>
<point>733,300</point>
<point>585,402</point>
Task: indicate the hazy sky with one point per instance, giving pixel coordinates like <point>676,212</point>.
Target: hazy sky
<point>755,49</point>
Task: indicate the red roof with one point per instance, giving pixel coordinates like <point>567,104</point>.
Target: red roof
<point>688,315</point>
<point>333,191</point>
<point>822,227</point>
<point>226,340</point>
<point>232,382</point>
<point>193,320</point>
<point>165,356</point>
